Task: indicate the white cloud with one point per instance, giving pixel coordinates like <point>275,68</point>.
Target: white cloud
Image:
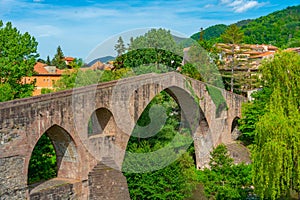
<point>246,6</point>
<point>240,6</point>
<point>236,3</point>
<point>47,31</point>
<point>208,6</point>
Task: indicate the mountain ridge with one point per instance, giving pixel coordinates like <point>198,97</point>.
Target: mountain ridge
<point>279,28</point>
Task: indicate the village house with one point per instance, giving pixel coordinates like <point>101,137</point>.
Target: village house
<point>45,76</point>
<point>246,56</point>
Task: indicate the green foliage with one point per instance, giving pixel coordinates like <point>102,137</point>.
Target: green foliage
<point>211,33</point>
<point>42,164</point>
<point>6,92</point>
<point>220,160</point>
<point>148,56</point>
<point>218,98</point>
<point>277,28</point>
<point>190,70</point>
<point>46,91</point>
<point>157,46</point>
<point>59,59</point>
<point>48,62</point>
<point>157,39</point>
<point>174,180</point>
<point>225,180</point>
<point>17,59</point>
<point>67,80</point>
<point>120,47</point>
<point>251,113</point>
<point>204,64</point>
<point>232,35</point>
<point>280,28</point>
<point>277,141</point>
<point>79,78</point>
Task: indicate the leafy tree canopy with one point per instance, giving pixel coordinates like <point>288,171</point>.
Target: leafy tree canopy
<point>251,113</point>
<point>211,33</point>
<point>232,35</point>
<point>18,53</point>
<point>280,28</point>
<point>177,179</point>
<point>224,179</point>
<point>277,133</point>
<point>157,46</point>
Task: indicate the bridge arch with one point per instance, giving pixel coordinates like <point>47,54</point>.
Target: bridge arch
<point>101,133</point>
<point>235,133</point>
<point>101,122</point>
<point>67,157</point>
<point>192,117</point>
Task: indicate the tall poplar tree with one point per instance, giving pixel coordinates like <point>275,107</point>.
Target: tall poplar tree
<point>233,35</point>
<point>277,142</point>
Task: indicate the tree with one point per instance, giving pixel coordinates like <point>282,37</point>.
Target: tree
<point>48,62</point>
<point>59,59</point>
<point>276,154</point>
<point>233,35</point>
<point>191,71</point>
<point>6,92</point>
<point>18,53</point>
<point>78,78</point>
<point>120,47</point>
<point>157,46</point>
<point>177,179</point>
<point>42,164</point>
<point>252,112</point>
<point>224,179</point>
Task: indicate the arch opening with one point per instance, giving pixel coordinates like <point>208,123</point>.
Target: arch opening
<point>101,132</point>
<point>43,163</point>
<point>163,141</point>
<point>235,132</point>
<point>54,156</point>
<point>101,122</point>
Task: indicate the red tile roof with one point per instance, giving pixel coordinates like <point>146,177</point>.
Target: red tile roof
<point>40,68</point>
<point>296,49</point>
<point>69,59</point>
<point>252,52</point>
<point>263,55</point>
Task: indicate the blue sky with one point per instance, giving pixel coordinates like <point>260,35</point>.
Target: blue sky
<point>79,26</point>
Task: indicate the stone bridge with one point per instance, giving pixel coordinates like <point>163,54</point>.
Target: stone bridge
<point>89,157</point>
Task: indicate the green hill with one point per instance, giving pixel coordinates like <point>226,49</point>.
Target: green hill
<point>280,28</point>
<point>211,32</point>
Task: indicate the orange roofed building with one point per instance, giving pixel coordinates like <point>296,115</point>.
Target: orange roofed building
<point>45,77</point>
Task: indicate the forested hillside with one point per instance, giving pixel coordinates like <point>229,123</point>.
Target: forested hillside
<point>280,28</point>
<point>211,33</point>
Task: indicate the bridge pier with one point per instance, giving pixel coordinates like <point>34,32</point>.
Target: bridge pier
<point>107,182</point>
